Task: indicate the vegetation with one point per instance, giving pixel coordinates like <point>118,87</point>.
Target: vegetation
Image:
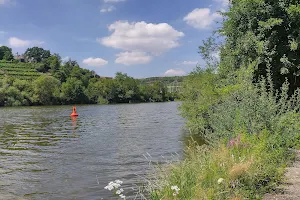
<point>41,78</point>
<point>164,80</point>
<point>246,107</point>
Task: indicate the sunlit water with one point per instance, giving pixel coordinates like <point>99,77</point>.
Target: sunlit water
<point>47,155</point>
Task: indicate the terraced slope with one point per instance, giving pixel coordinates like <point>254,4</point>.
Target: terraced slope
<point>24,71</point>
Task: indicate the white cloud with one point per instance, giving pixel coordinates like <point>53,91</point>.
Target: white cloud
<point>133,58</point>
<point>108,9</point>
<point>189,63</point>
<point>201,18</point>
<point>142,37</point>
<point>2,32</point>
<point>7,2</point>
<point>174,72</point>
<point>2,2</point>
<point>18,43</point>
<point>113,1</point>
<point>94,62</point>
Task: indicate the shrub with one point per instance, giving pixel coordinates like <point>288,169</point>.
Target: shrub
<point>244,171</point>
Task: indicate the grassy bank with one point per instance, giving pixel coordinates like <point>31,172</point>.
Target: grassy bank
<point>245,105</point>
<point>250,129</point>
<point>244,169</point>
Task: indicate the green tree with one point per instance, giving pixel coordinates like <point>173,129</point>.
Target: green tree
<point>36,54</point>
<point>127,88</point>
<point>6,53</point>
<point>46,89</point>
<point>159,92</point>
<point>54,62</point>
<point>73,91</point>
<point>265,34</point>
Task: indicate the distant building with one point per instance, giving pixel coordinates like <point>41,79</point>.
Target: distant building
<point>19,58</point>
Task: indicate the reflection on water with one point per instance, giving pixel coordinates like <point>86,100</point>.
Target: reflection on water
<point>45,154</point>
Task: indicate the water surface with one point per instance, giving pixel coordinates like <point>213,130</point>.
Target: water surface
<point>47,155</point>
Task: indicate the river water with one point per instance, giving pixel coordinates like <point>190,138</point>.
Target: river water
<point>47,155</point>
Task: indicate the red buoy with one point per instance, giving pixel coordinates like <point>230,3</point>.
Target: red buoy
<point>74,113</point>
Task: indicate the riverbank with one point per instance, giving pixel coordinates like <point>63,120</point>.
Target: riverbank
<point>249,133</point>
<point>245,167</point>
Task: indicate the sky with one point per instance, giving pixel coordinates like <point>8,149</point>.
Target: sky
<point>142,38</point>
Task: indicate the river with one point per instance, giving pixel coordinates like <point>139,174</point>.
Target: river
<point>47,155</point>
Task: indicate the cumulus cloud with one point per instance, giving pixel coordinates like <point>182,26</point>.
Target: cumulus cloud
<point>132,58</point>
<point>108,9</point>
<point>94,62</point>
<point>189,62</point>
<point>174,72</point>
<point>113,1</point>
<point>18,43</point>
<point>142,37</point>
<point>201,18</point>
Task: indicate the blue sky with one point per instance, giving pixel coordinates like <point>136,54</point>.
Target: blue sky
<point>142,38</point>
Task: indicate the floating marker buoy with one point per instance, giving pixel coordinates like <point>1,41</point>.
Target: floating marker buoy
<point>74,113</point>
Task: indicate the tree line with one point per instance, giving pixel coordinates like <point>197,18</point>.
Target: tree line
<point>67,83</point>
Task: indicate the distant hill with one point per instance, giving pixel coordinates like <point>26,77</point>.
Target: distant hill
<point>27,71</point>
<point>165,80</point>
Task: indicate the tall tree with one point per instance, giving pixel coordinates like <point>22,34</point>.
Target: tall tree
<point>46,89</point>
<point>6,53</point>
<point>73,91</point>
<point>36,54</point>
<point>264,34</point>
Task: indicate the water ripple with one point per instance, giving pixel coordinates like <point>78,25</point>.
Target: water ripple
<point>47,155</point>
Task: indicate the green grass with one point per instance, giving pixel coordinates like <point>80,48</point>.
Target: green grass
<point>245,170</point>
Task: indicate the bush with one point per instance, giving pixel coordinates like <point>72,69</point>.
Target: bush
<point>250,128</point>
<point>244,169</point>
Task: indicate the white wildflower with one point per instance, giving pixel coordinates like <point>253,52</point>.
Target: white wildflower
<point>122,196</point>
<point>118,181</point>
<point>176,190</point>
<point>116,185</point>
<point>119,191</point>
<point>220,180</point>
<point>113,185</point>
<point>109,187</point>
<point>175,187</point>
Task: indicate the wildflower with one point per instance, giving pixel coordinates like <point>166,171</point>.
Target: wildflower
<point>109,187</point>
<point>220,180</point>
<point>118,182</point>
<point>119,191</point>
<point>113,185</point>
<point>176,190</point>
<point>122,196</point>
<point>116,185</point>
